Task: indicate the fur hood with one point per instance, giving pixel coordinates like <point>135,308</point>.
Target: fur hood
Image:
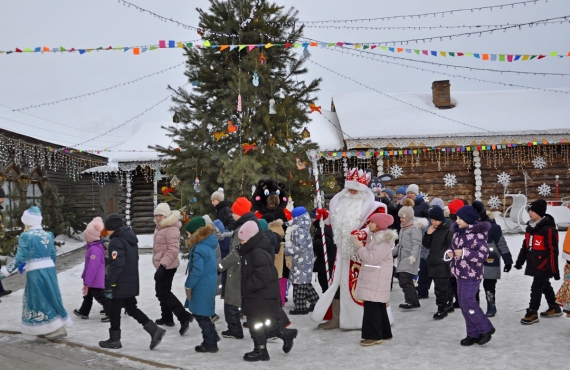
<point>277,227</point>
<point>388,236</point>
<point>171,220</point>
<point>420,222</point>
<point>200,234</point>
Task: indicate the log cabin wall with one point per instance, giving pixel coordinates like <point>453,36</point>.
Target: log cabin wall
<point>142,202</point>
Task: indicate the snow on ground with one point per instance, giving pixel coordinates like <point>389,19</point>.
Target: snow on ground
<point>419,341</point>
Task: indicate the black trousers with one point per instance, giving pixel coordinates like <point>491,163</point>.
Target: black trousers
<point>232,315</point>
<point>540,286</point>
<point>130,305</point>
<point>99,295</point>
<point>375,322</point>
<point>489,285</point>
<point>424,281</point>
<point>224,279</point>
<point>453,287</point>
<point>169,304</point>
<point>441,290</point>
<point>406,281</point>
<point>323,280</point>
<point>209,335</point>
<point>261,328</point>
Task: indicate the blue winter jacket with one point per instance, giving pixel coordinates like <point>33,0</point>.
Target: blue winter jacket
<point>202,272</point>
<point>299,245</point>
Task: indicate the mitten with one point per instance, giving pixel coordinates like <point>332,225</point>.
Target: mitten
<point>108,293</point>
<point>518,267</point>
<point>322,213</point>
<point>412,260</point>
<point>360,234</point>
<point>508,268</point>
<point>556,276</point>
<point>22,268</point>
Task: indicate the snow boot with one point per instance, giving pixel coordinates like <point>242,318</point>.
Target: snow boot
<point>449,307</point>
<point>114,341</point>
<point>259,353</point>
<point>163,322</point>
<point>441,312</point>
<point>334,322</point>
<point>469,341</point>
<point>203,349</point>
<point>59,333</point>
<point>530,318</point>
<point>288,336</point>
<point>491,308</point>
<point>486,337</point>
<point>155,332</point>
<point>79,314</point>
<point>553,311</point>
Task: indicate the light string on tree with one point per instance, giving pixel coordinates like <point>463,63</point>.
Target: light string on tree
<point>425,15</point>
<point>323,44</point>
<point>251,14</point>
<point>348,52</point>
<point>99,91</point>
<point>389,28</point>
<point>128,121</point>
<point>480,32</point>
<point>396,99</point>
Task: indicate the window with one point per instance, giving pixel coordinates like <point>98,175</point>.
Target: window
<point>34,194</point>
<point>12,200</point>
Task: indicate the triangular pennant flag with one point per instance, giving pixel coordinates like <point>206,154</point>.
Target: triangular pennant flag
<point>224,47</point>
<point>553,54</point>
<point>399,50</point>
<point>349,43</point>
<point>207,43</point>
<point>342,43</point>
<point>126,48</point>
<point>434,53</point>
<point>532,57</point>
<point>424,52</point>
<point>171,43</point>
<point>330,44</point>
<point>460,54</point>
<point>179,44</point>
<point>408,50</point>
<point>115,48</point>
<point>509,58</point>
<point>189,45</point>
<point>517,57</point>
<point>305,44</point>
<point>109,48</point>
<point>323,44</point>
<point>18,50</point>
<point>451,53</point>
<point>9,52</point>
<point>287,45</point>
<point>296,45</point>
<point>38,49</point>
<point>501,57</point>
<point>357,46</point>
<point>385,48</point>
<point>54,49</point>
<point>45,48</point>
<point>153,47</point>
<point>81,51</point>
<point>61,48</point>
<point>313,44</point>
<point>493,57</point>
<point>443,53</point>
<point>417,51</point>
<point>71,50</point>
<point>525,57</point>
<point>485,57</point>
<point>268,45</point>
<point>28,50</point>
<point>251,47</point>
<point>374,46</point>
<point>391,49</point>
<point>241,47</point>
<point>232,47</point>
<point>89,50</point>
<point>161,44</point>
<point>136,51</point>
<point>365,47</point>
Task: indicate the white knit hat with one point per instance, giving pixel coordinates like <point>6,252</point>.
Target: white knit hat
<point>413,188</point>
<point>218,195</point>
<point>32,217</point>
<point>162,209</point>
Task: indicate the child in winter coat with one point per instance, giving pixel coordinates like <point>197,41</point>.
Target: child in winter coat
<point>408,254</point>
<point>468,253</point>
<point>260,292</point>
<point>202,279</point>
<point>437,240</point>
<point>563,295</point>
<point>94,271</point>
<point>299,245</point>
<point>375,277</point>
<point>540,252</point>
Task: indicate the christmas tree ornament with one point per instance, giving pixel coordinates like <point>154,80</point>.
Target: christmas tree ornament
<point>231,127</point>
<point>197,185</point>
<point>255,79</point>
<point>195,81</point>
<point>306,53</point>
<point>271,142</point>
<point>157,174</point>
<point>262,60</point>
<point>396,171</point>
<point>247,147</point>
<point>272,106</point>
<point>314,108</point>
<point>300,165</point>
<point>166,190</point>
<point>239,103</point>
<point>193,200</point>
<point>290,203</point>
<point>305,134</point>
<point>331,183</point>
<point>539,162</point>
<point>176,118</point>
<point>201,32</point>
<point>450,180</point>
<point>290,177</point>
<point>219,135</point>
<point>174,181</point>
<point>177,149</point>
<point>310,171</point>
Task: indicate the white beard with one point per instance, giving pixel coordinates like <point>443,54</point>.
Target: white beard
<point>345,219</point>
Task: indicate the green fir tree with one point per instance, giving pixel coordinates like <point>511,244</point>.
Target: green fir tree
<point>205,146</point>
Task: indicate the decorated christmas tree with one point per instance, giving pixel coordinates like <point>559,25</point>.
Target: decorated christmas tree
<point>243,118</point>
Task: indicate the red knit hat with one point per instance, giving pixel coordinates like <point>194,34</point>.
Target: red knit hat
<point>241,206</point>
<point>455,205</point>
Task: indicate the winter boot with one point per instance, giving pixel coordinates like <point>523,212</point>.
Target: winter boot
<point>553,311</point>
<point>450,307</point>
<point>469,341</point>
<point>288,336</point>
<point>441,312</point>
<point>491,308</point>
<point>334,322</point>
<point>79,314</point>
<point>485,338</point>
<point>155,332</point>
<point>530,318</point>
<point>259,353</point>
<point>163,322</point>
<point>114,341</point>
<point>59,333</point>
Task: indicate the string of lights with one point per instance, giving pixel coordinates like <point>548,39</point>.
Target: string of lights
<point>425,15</point>
<point>413,27</point>
<point>98,91</point>
<point>456,66</point>
<point>548,21</point>
<point>127,121</point>
<point>394,98</point>
<point>349,52</point>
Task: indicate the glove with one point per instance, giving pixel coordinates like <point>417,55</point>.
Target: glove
<point>84,290</point>
<point>508,268</point>
<point>360,234</point>
<point>557,276</point>
<point>412,260</point>
<point>355,242</point>
<point>108,293</point>
<point>322,213</point>
<point>159,273</point>
<point>22,268</point>
<point>518,267</point>
<point>188,294</point>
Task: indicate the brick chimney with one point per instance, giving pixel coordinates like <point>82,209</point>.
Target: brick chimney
<point>441,94</point>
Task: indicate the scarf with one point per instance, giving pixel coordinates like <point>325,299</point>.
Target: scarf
<point>406,225</point>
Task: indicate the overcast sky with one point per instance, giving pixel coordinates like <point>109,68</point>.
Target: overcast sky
<point>34,78</point>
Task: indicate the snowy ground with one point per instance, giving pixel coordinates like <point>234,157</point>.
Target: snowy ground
<point>419,341</point>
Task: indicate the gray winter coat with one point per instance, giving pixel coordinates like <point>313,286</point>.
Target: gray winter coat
<point>299,245</point>
<point>231,263</point>
<point>410,244</point>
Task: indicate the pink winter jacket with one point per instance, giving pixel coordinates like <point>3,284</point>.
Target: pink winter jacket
<point>167,242</point>
<point>376,270</point>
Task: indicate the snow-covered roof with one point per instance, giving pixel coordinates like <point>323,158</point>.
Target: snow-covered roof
<point>491,117</point>
<point>136,149</point>
<point>325,130</point>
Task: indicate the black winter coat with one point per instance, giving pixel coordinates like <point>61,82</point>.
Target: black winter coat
<point>437,243</point>
<point>421,207</point>
<point>318,250</point>
<point>275,242</point>
<point>224,214</point>
<point>392,211</point>
<point>540,249</point>
<point>123,268</point>
<point>259,283</point>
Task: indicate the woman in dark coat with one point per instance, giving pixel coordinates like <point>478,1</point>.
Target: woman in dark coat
<point>260,293</point>
<point>223,209</point>
<point>319,266</point>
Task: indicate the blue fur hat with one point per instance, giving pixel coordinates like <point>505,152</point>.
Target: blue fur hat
<point>298,211</point>
<point>402,190</point>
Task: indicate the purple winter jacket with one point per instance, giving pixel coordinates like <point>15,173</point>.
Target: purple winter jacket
<point>94,272</point>
<point>473,241</point>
